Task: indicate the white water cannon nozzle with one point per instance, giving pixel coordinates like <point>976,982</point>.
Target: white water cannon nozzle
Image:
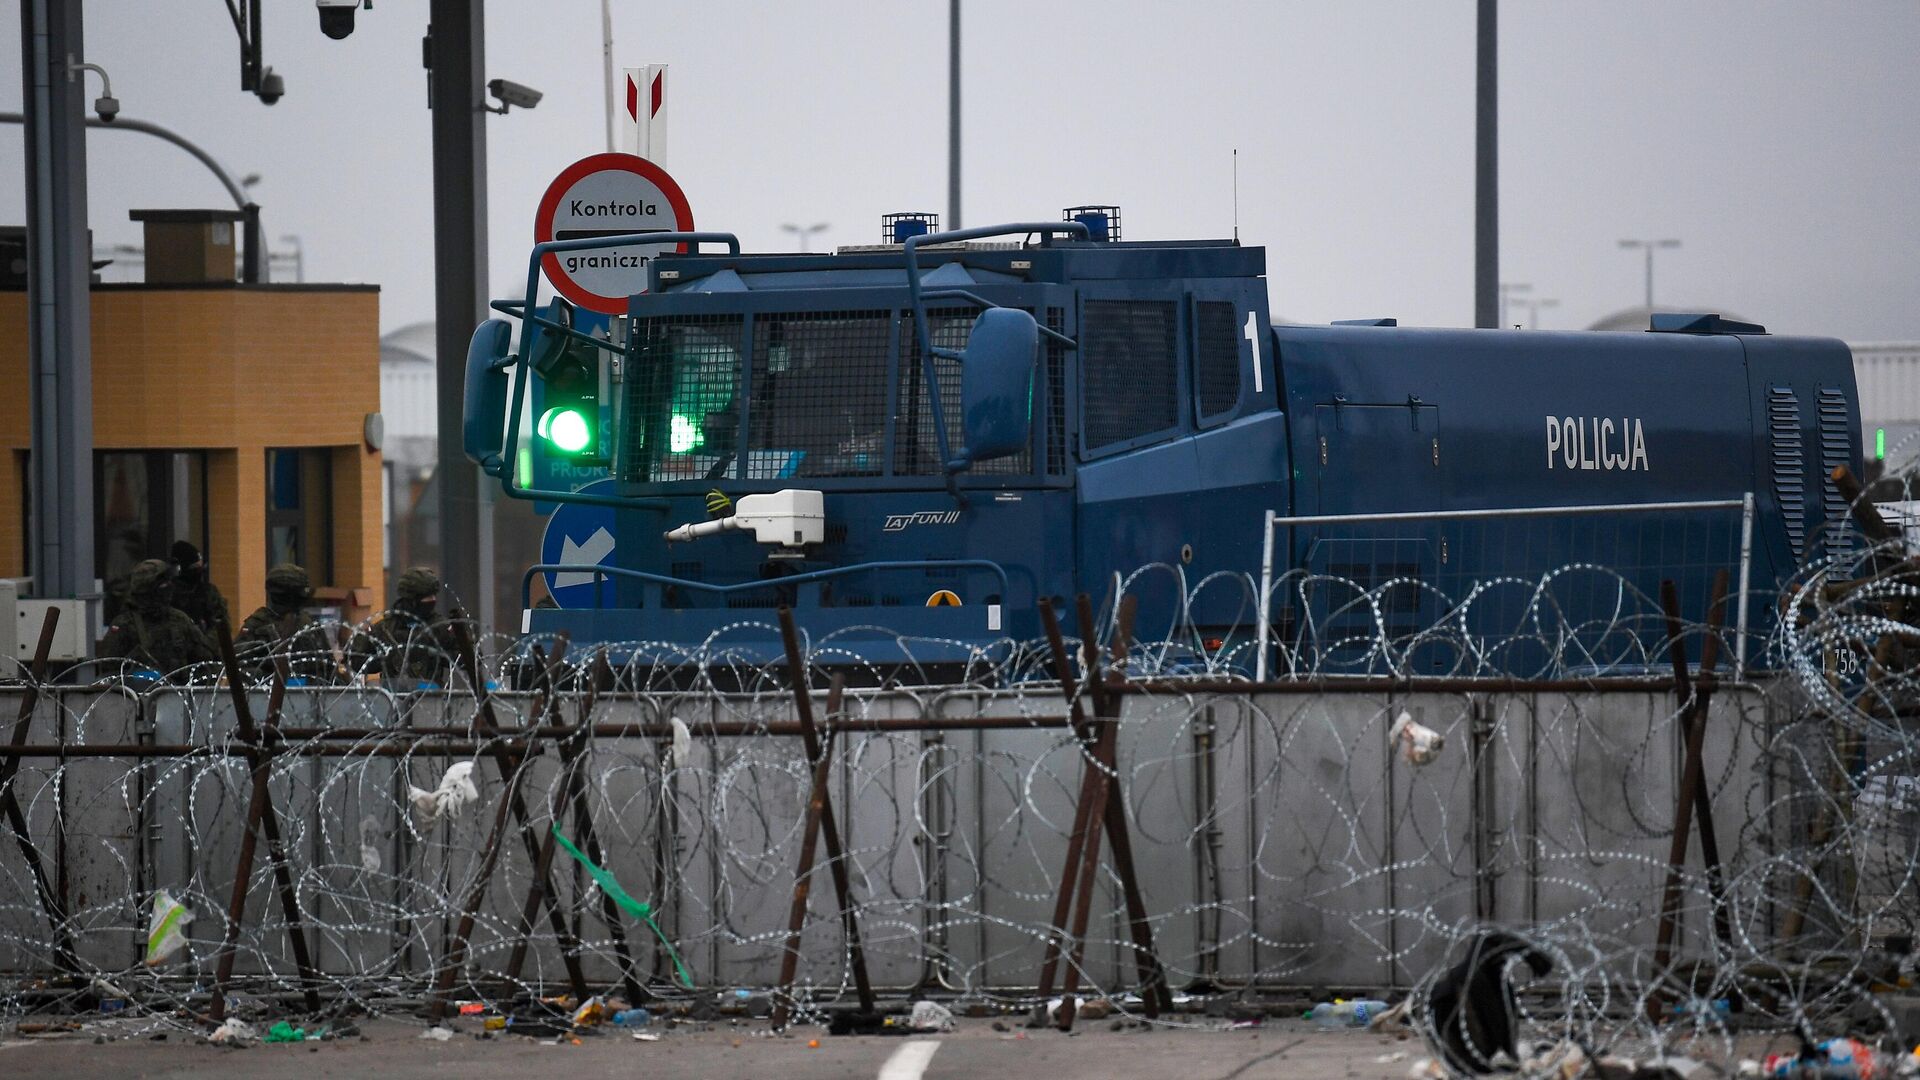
<point>793,518</point>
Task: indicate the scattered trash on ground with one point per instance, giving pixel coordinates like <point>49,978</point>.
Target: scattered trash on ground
<point>437,1034</point>
<point>590,1013</point>
<point>232,1032</point>
<point>284,1032</point>
<point>1829,1059</point>
<point>632,1018</point>
<point>931,1016</point>
<point>1341,1013</point>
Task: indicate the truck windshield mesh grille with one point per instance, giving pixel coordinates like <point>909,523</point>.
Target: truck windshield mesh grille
<point>816,395</point>
<point>681,415</point>
<point>916,451</point>
<point>818,406</point>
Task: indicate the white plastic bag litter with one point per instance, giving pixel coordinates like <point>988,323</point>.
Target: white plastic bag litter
<point>232,1031</point>
<point>455,791</point>
<point>1419,743</point>
<point>682,743</point>
<point>931,1016</point>
<point>166,930</point>
<point>369,845</point>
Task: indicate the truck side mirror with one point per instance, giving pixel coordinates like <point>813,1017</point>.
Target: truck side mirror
<point>482,429</point>
<point>996,386</point>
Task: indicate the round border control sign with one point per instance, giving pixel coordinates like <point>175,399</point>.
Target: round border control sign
<point>608,195</point>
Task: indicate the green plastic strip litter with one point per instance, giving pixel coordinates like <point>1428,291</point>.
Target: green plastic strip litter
<point>633,907</point>
<point>166,925</point>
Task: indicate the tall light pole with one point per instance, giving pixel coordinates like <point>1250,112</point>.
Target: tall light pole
<point>606,66</point>
<point>1533,309</point>
<point>953,114</point>
<point>1510,289</point>
<point>456,52</point>
<point>1649,246</point>
<point>1486,171</point>
<point>59,317</point>
<point>805,233</point>
<point>299,257</point>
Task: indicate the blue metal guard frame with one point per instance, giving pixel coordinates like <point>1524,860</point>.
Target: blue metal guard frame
<point>525,310</point>
<point>919,298</point>
<point>598,571</point>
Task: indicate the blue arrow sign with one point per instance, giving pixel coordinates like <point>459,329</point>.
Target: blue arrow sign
<point>581,535</point>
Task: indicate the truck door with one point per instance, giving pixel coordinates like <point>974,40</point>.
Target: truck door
<point>1375,459</point>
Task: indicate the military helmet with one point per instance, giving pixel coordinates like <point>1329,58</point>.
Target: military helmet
<point>290,581</point>
<point>418,583</point>
<point>149,577</point>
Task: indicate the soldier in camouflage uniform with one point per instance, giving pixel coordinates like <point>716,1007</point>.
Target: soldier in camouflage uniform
<point>413,641</point>
<point>286,627</point>
<point>151,632</point>
<point>194,591</point>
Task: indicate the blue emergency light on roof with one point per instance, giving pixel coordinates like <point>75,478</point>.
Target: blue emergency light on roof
<point>1102,222</point>
<point>898,228</point>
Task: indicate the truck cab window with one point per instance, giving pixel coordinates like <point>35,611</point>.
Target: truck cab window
<point>1216,361</point>
<point>1129,370</point>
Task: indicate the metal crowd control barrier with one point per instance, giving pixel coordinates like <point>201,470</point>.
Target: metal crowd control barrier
<point>1274,522</point>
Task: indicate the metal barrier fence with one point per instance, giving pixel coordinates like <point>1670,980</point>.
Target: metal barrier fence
<point>1107,813</point>
<point>1540,590</point>
<point>1281,838</point>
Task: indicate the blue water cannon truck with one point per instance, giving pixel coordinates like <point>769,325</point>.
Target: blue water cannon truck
<point>920,439</point>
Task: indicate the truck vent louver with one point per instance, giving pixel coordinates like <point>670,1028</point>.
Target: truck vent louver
<point>1834,449</point>
<point>1789,464</point>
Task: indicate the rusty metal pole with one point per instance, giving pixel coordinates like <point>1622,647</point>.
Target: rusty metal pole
<point>507,763</point>
<point>260,757</point>
<point>1155,994</point>
<point>50,902</point>
<point>456,957</point>
<point>1077,837</point>
<point>803,875</point>
<point>836,856</point>
<point>1692,795</point>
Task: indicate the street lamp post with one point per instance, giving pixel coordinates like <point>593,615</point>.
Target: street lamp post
<point>299,257</point>
<point>1508,290</point>
<point>805,233</point>
<point>1649,246</point>
<point>1533,309</point>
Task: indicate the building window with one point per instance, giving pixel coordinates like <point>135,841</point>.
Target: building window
<point>1216,364</point>
<point>1128,357</point>
<point>144,500</point>
<point>300,510</point>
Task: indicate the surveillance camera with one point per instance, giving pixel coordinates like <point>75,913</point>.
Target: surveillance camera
<point>336,17</point>
<point>107,107</point>
<point>272,87</point>
<point>512,94</point>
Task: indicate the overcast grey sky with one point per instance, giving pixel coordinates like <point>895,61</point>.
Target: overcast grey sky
<point>1779,141</point>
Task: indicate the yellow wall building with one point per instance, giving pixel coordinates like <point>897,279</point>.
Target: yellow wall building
<point>232,416</point>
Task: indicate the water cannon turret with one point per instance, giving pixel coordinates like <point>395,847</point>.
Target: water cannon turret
<point>1102,222</point>
<point>899,228</point>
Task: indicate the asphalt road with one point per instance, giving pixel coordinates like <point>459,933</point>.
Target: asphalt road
<point>393,1050</point>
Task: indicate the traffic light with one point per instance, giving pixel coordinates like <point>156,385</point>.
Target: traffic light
<point>570,378</point>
